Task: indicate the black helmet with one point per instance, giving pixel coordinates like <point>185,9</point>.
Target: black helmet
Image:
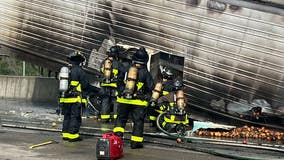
<point>178,84</point>
<point>167,73</point>
<point>113,51</point>
<point>76,56</point>
<point>140,56</point>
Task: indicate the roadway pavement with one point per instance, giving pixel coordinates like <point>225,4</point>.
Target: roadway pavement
<point>15,143</point>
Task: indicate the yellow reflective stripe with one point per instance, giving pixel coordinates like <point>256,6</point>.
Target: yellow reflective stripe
<point>168,120</point>
<point>186,120</point>
<point>139,85</point>
<point>70,100</point>
<point>159,111</point>
<point>73,136</point>
<point>109,85</point>
<point>163,107</point>
<point>137,102</point>
<point>84,100</point>
<point>65,135</point>
<point>136,139</point>
<point>118,129</point>
<point>172,104</point>
<point>164,123</point>
<point>172,120</point>
<point>61,100</point>
<point>78,88</point>
<point>115,72</point>
<point>70,136</point>
<point>105,116</point>
<point>76,83</point>
<point>152,118</point>
<point>165,93</point>
<point>115,116</point>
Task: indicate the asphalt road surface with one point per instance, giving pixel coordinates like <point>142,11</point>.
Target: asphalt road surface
<point>15,143</point>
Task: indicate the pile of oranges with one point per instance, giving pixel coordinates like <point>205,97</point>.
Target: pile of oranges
<point>247,132</point>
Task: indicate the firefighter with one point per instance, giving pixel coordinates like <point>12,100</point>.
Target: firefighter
<point>72,99</point>
<point>135,84</point>
<point>109,68</point>
<point>160,90</point>
<point>174,103</point>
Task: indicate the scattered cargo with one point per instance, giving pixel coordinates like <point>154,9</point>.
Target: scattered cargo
<point>247,132</point>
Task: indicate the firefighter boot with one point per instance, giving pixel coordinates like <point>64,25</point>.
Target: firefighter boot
<point>65,139</point>
<point>76,139</point>
<point>65,136</point>
<point>136,145</point>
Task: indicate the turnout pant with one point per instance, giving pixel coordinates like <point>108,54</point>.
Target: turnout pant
<point>137,114</point>
<point>108,103</point>
<point>72,118</point>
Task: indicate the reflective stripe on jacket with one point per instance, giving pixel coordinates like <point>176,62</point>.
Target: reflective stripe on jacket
<point>114,85</point>
<point>78,99</point>
<point>165,93</point>
<point>138,102</point>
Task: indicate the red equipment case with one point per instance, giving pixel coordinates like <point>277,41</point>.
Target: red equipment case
<point>109,147</point>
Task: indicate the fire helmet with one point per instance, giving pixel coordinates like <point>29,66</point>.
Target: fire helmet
<point>76,56</point>
<point>140,56</point>
<point>178,84</point>
<point>167,73</point>
<point>113,51</point>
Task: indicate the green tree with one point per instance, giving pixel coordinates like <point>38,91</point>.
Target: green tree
<point>13,66</point>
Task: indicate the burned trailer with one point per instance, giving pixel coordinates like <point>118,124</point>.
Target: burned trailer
<point>224,49</point>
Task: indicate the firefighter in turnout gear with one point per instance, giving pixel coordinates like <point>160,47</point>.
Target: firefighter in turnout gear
<point>109,68</point>
<point>135,84</point>
<point>161,89</point>
<point>176,117</point>
<point>72,100</point>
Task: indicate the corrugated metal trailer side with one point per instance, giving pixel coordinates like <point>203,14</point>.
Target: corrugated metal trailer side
<point>232,53</point>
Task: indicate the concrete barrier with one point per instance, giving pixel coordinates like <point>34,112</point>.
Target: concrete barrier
<point>36,89</point>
